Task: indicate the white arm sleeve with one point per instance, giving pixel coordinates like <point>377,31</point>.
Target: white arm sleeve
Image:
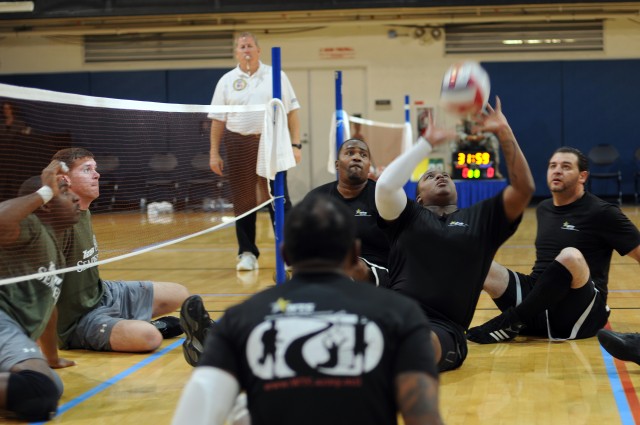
<point>208,397</point>
<point>390,196</point>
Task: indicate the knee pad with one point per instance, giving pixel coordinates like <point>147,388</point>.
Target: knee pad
<point>32,395</point>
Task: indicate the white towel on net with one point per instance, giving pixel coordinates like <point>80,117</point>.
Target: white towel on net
<point>346,135</point>
<point>275,152</point>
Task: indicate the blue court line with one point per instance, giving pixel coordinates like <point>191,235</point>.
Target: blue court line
<point>619,395</point>
<point>119,377</point>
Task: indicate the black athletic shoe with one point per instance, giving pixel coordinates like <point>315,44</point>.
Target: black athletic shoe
<point>196,323</point>
<point>622,346</point>
<point>502,328</point>
<point>168,326</point>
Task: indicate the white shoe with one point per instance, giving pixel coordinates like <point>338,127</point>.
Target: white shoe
<point>247,262</point>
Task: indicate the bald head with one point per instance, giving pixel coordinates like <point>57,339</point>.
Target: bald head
<point>318,229</point>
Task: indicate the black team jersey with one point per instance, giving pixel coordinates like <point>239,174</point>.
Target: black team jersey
<point>321,349</point>
<point>375,245</point>
<point>591,225</point>
<point>442,262</point>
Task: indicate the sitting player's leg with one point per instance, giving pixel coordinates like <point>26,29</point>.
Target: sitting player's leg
<point>29,388</point>
<point>167,297</point>
<point>122,321</point>
<point>569,271</point>
<point>452,344</point>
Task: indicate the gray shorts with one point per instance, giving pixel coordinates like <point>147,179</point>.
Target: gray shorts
<point>15,344</point>
<point>122,300</point>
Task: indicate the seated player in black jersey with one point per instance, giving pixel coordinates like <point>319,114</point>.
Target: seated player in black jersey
<point>440,255</point>
<point>318,349</point>
<point>565,296</point>
<point>31,228</point>
<point>355,190</point>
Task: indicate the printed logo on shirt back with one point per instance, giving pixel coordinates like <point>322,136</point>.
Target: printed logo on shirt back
<point>297,341</point>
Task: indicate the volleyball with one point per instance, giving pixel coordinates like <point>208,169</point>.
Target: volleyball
<point>465,89</point>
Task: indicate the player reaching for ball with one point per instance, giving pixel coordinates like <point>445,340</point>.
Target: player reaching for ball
<point>440,255</point>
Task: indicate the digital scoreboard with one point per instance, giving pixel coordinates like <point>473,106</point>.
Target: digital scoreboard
<point>473,164</point>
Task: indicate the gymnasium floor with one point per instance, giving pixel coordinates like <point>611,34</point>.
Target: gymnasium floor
<point>523,382</point>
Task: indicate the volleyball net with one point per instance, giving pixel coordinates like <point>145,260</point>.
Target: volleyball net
<point>156,186</point>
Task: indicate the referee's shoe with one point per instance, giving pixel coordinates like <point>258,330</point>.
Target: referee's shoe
<point>195,322</point>
<point>622,346</point>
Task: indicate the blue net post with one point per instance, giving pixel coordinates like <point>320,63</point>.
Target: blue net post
<point>339,113</point>
<point>407,109</point>
<point>278,191</point>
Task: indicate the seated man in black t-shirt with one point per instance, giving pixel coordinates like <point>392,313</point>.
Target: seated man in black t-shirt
<point>440,255</point>
<point>355,190</point>
<point>565,296</point>
<point>320,348</point>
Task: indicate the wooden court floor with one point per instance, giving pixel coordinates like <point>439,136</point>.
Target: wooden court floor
<point>522,382</point>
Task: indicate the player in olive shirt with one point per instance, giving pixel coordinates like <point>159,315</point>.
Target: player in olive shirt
<point>112,315</point>
<point>30,227</point>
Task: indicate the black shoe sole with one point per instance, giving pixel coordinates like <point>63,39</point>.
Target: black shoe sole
<point>192,318</point>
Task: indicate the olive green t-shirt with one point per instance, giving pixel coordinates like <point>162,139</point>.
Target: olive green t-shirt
<point>31,302</point>
<point>81,289</point>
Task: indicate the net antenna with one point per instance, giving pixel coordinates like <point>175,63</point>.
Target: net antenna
<point>385,140</point>
<point>152,153</point>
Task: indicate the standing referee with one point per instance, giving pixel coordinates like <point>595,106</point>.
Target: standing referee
<point>249,83</point>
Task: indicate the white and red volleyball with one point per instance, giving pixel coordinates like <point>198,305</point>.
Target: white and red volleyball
<point>465,89</point>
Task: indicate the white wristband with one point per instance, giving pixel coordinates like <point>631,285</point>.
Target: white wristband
<point>46,193</point>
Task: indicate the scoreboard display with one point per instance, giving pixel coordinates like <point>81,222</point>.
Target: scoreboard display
<point>473,164</point>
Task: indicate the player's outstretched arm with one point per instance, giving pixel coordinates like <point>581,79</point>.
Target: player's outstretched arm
<point>417,398</point>
<point>521,185</point>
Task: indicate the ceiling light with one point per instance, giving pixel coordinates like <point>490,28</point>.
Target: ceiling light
<point>16,6</point>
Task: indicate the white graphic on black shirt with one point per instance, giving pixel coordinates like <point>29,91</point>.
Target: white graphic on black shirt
<point>335,344</point>
<point>567,226</point>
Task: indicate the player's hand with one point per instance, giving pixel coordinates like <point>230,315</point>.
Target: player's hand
<point>297,154</point>
<point>216,163</point>
<point>436,135</point>
<point>494,121</point>
<point>50,176</point>
<point>61,363</point>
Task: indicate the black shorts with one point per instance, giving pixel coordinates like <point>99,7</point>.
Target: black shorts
<point>453,342</point>
<point>579,315</point>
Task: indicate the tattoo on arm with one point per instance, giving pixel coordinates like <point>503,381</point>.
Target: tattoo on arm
<point>417,398</point>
